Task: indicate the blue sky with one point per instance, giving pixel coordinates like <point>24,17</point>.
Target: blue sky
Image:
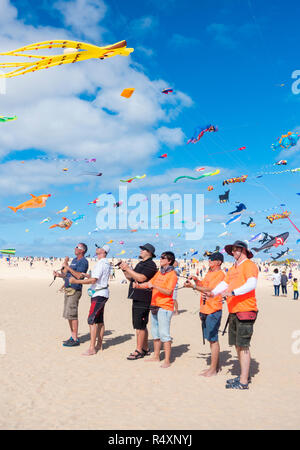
<point>225,61</point>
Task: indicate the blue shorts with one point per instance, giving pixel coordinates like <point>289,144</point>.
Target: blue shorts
<point>160,325</point>
<point>211,325</point>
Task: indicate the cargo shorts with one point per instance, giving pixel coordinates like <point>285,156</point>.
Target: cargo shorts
<point>240,331</point>
<point>71,306</point>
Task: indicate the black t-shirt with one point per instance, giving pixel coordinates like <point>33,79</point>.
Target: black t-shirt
<point>149,269</point>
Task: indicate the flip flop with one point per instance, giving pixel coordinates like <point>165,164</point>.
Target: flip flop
<point>139,355</point>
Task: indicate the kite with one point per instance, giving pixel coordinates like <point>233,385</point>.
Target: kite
<point>129,180</point>
<point>65,169</point>
<point>167,91</point>
<point>282,162</point>
<point>121,253</point>
<point>121,242</point>
<point>173,211</point>
<point>8,251</point>
<point>118,204</point>
<point>277,216</point>
<point>296,169</point>
<point>163,156</point>
<point>224,198</point>
<point>27,230</point>
<point>7,119</point>
<point>110,242</point>
<point>94,201</point>
<point>298,240</point>
<point>65,223</point>
<point>127,93</point>
<point>81,52</point>
<point>223,234</point>
<point>133,231</point>
<point>208,253</point>
<point>65,209</point>
<point>34,202</point>
<point>46,220</point>
<point>80,217</point>
<point>195,253</point>
<point>199,169</point>
<point>250,224</point>
<point>234,219</point>
<point>273,241</point>
<point>210,188</point>
<point>208,174</point>
<point>286,140</point>
<point>241,207</point>
<point>280,254</point>
<point>241,179</point>
<point>96,174</point>
<point>200,131</point>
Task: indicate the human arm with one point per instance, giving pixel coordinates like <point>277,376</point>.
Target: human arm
<point>131,275</point>
<point>74,280</point>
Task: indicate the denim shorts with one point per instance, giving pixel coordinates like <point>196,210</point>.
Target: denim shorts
<point>160,325</point>
<point>211,326</point>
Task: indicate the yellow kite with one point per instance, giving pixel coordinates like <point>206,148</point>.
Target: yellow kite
<point>82,52</point>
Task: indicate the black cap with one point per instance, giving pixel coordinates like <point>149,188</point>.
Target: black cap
<point>149,248</point>
<point>217,256</point>
<point>241,244</point>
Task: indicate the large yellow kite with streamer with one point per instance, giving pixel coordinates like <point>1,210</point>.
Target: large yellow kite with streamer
<point>81,52</point>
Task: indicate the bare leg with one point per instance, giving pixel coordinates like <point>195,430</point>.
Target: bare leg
<point>215,351</point>
<point>157,347</point>
<point>74,328</point>
<point>100,335</point>
<point>92,348</point>
<point>245,359</point>
<point>146,343</point>
<point>167,349</point>
<point>176,307</point>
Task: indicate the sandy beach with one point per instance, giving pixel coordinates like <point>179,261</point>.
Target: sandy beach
<point>48,386</point>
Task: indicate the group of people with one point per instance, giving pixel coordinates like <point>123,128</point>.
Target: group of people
<point>153,292</point>
<point>281,280</point>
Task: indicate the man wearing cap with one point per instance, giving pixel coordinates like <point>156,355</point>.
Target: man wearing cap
<point>239,288</point>
<point>99,295</point>
<point>211,309</point>
<point>142,272</point>
<point>73,290</point>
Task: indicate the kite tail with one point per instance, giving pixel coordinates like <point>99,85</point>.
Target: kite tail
<point>13,208</point>
<point>53,226</point>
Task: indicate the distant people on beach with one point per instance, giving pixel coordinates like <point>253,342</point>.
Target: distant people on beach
<point>295,288</point>
<point>283,282</point>
<point>276,278</point>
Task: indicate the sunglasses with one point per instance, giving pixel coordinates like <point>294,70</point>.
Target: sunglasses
<point>163,257</point>
<point>79,248</point>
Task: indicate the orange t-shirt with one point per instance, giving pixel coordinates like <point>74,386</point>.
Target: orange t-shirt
<point>235,278</point>
<point>211,304</point>
<point>164,281</point>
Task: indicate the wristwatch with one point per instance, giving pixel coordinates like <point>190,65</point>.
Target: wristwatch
<point>232,293</point>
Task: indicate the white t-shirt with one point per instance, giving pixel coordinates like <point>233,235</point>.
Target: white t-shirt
<point>101,271</point>
<point>276,279</point>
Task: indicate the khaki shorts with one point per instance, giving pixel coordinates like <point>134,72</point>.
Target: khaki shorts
<point>71,306</point>
<point>240,331</point>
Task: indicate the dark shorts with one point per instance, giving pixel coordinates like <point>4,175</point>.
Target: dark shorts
<point>97,310</point>
<point>211,326</point>
<point>240,331</point>
<point>140,315</point>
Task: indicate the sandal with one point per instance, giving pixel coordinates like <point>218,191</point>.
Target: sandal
<point>237,385</point>
<point>133,356</point>
<point>146,352</point>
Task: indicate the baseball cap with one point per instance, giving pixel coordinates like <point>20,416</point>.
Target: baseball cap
<point>106,248</point>
<point>217,256</point>
<point>149,248</point>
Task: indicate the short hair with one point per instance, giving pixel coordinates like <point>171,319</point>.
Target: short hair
<point>275,270</point>
<point>85,248</point>
<point>170,257</point>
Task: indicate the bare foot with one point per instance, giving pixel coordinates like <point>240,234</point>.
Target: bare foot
<point>165,365</point>
<point>203,372</point>
<point>209,373</point>
<point>152,359</point>
<point>89,353</point>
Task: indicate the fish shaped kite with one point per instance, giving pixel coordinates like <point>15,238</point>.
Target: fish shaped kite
<point>241,179</point>
<point>273,241</point>
<point>163,156</point>
<point>81,52</point>
<point>137,177</point>
<point>250,223</point>
<point>286,140</point>
<point>167,91</point>
<point>173,211</point>
<point>80,217</point>
<point>241,207</point>
<point>275,216</point>
<point>34,202</point>
<point>65,223</point>
<point>7,119</point>
<point>210,188</point>
<point>46,220</point>
<point>65,209</point>
<point>200,131</point>
<point>282,162</point>
<point>208,174</point>
<point>234,219</point>
<point>8,251</point>
<point>118,204</point>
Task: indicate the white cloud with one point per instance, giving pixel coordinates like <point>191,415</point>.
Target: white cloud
<point>56,114</point>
